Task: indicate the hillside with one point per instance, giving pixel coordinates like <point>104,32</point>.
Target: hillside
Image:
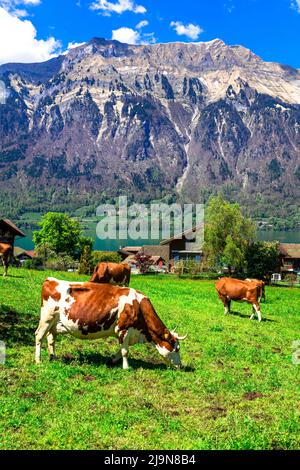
<point>168,119</point>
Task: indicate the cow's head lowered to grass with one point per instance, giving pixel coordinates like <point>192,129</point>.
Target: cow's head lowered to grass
<point>92,311</point>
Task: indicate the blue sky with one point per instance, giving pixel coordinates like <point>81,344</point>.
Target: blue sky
<point>34,30</point>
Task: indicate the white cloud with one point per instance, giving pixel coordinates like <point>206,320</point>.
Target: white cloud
<point>126,35</point>
<point>13,6</point>
<point>120,7</point>
<point>30,2</point>
<point>72,45</point>
<point>142,24</point>
<point>18,41</point>
<point>192,31</point>
<point>131,36</point>
<point>296,5</point>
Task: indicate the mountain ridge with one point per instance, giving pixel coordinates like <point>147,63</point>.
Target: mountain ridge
<point>184,119</point>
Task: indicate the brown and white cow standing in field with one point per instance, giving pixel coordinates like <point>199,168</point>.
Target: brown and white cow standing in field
<point>261,284</point>
<point>240,291</point>
<point>112,273</point>
<point>6,253</point>
<point>91,311</point>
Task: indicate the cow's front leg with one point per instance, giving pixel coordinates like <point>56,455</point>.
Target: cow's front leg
<point>124,348</point>
<point>226,306</point>
<point>117,357</point>
<point>5,265</point>
<point>256,308</point>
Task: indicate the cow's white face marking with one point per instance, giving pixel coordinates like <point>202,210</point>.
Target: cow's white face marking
<point>172,356</point>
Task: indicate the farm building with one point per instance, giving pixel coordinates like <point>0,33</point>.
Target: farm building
<point>289,257</point>
<point>23,255</point>
<point>9,231</point>
<point>186,246</point>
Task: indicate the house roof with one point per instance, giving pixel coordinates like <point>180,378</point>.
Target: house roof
<point>20,251</point>
<point>182,235</point>
<point>12,227</point>
<point>129,259</point>
<point>290,250</point>
<point>131,249</point>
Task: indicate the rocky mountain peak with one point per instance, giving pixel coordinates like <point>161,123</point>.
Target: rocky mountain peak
<point>150,120</point>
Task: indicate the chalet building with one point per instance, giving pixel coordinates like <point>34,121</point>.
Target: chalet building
<point>289,257</point>
<point>186,246</point>
<point>9,231</point>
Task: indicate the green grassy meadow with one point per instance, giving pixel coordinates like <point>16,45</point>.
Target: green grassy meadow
<point>238,390</point>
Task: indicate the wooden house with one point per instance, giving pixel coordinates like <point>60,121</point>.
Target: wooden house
<point>289,257</point>
<point>9,231</point>
<point>186,246</point>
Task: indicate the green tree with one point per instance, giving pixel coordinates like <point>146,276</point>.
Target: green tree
<point>61,233</point>
<point>262,259</point>
<point>227,233</point>
<point>86,261</point>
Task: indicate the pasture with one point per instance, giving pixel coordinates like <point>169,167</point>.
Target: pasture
<point>238,390</point>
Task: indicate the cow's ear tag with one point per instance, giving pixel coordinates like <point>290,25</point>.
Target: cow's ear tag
<point>166,335</point>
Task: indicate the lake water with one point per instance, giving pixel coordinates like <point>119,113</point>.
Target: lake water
<point>114,245</point>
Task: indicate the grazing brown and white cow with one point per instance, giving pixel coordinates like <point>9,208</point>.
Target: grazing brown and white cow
<point>112,273</point>
<point>6,253</point>
<point>91,311</point>
<point>240,291</point>
<point>261,284</point>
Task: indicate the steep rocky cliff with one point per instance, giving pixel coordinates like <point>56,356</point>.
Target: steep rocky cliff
<point>110,118</point>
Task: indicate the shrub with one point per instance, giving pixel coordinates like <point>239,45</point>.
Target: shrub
<point>105,257</point>
<point>291,279</point>
<point>61,263</point>
<point>35,263</point>
<point>189,267</point>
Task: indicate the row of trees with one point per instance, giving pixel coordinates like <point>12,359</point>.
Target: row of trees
<point>230,241</point>
<point>61,245</point>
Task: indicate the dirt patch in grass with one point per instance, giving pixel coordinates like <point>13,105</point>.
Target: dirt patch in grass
<point>252,395</point>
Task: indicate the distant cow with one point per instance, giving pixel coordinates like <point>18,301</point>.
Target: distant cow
<point>6,253</point>
<point>112,273</point>
<point>262,285</point>
<point>240,291</point>
<point>91,311</point>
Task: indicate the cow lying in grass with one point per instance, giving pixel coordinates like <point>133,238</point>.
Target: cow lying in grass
<point>112,273</point>
<point>92,311</point>
<point>240,291</point>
